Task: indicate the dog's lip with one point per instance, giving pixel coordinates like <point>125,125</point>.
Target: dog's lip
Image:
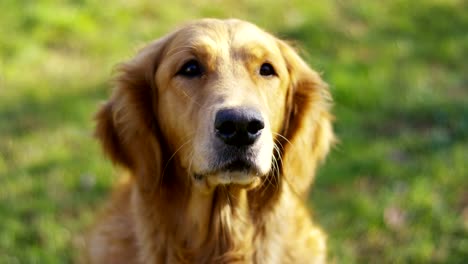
<point>237,165</point>
<point>246,180</point>
<point>239,171</point>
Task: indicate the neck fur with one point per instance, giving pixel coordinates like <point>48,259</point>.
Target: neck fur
<point>181,223</point>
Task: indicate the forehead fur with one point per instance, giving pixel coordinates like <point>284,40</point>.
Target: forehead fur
<point>212,35</point>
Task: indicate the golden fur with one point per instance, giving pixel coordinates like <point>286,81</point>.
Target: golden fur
<point>176,206</point>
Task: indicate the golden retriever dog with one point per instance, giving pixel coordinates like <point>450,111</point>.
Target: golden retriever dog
<point>220,126</point>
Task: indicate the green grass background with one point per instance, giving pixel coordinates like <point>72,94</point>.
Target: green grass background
<point>395,190</point>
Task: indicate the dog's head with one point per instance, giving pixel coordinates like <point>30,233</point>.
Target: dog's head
<point>221,99</point>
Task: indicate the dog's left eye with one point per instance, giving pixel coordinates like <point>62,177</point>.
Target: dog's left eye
<point>191,69</point>
<point>267,69</point>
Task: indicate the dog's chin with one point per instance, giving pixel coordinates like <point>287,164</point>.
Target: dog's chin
<point>238,174</point>
<point>241,178</point>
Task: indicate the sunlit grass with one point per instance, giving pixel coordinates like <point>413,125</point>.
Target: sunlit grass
<point>393,191</point>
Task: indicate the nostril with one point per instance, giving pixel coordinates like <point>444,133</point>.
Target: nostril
<point>253,127</point>
<point>227,128</point>
<point>238,126</point>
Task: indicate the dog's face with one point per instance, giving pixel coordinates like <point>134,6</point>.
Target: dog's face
<point>222,91</point>
<point>224,100</point>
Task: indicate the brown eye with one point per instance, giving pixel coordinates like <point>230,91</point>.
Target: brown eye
<point>267,70</point>
<point>191,69</point>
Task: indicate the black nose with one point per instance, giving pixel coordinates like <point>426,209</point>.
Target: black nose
<point>238,126</point>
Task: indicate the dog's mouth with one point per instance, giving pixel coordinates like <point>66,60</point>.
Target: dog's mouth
<point>240,171</point>
<point>239,165</point>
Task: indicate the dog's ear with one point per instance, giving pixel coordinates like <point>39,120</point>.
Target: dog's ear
<point>308,122</point>
<point>126,123</point>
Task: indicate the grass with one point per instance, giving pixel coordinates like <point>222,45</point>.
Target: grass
<point>393,191</point>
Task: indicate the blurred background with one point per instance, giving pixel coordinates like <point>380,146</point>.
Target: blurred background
<point>395,190</point>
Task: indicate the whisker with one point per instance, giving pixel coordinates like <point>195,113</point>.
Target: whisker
<point>278,142</point>
<point>287,140</point>
<point>278,160</point>
<point>189,97</point>
<point>272,179</point>
<point>278,157</point>
<point>275,173</point>
<point>171,158</point>
<point>285,175</point>
<point>277,164</point>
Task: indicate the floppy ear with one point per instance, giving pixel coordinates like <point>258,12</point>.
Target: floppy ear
<point>126,123</point>
<point>308,124</point>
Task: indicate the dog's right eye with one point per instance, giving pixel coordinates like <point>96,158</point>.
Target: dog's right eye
<point>191,69</point>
